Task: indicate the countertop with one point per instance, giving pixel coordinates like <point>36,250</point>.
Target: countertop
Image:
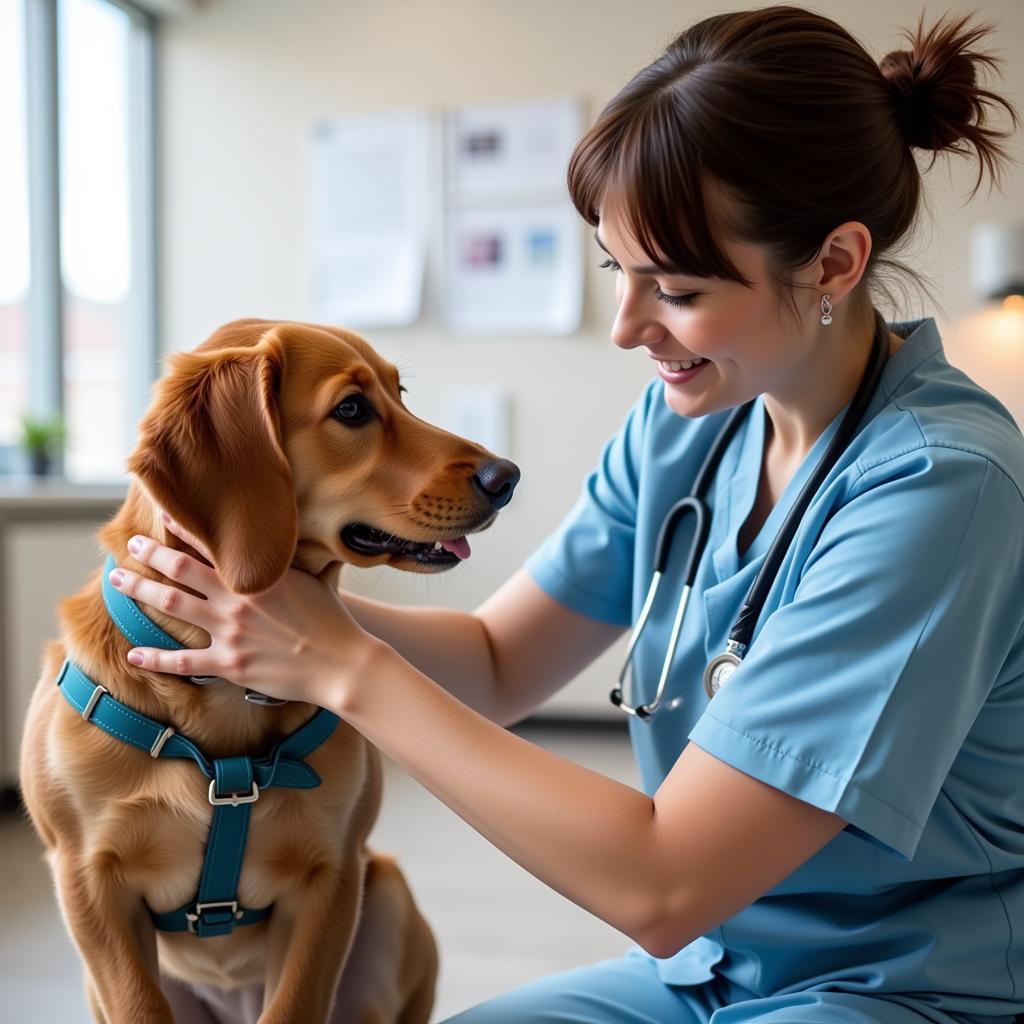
<point>28,492</point>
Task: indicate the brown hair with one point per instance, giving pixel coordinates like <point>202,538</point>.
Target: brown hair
<point>803,130</point>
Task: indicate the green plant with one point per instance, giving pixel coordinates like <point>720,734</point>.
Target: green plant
<point>37,434</point>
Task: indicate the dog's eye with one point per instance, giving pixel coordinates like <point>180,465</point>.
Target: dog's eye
<point>353,410</point>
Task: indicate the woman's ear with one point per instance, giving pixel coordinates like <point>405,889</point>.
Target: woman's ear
<point>843,258</point>
<point>210,452</point>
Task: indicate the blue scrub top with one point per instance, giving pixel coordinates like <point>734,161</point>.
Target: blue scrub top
<point>884,681</point>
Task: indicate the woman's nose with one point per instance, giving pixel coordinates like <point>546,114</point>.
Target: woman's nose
<point>634,326</point>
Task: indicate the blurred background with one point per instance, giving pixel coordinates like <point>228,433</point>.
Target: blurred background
<point>166,169</point>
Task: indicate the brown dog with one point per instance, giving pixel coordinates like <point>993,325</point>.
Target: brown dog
<point>275,444</point>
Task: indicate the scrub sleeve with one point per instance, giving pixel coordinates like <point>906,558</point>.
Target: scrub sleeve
<point>857,695</point>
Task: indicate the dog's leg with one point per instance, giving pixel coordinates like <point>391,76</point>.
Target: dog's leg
<point>420,1002</point>
<point>309,938</point>
<point>92,1000</point>
<point>391,969</point>
<point>391,972</point>
<point>105,924</point>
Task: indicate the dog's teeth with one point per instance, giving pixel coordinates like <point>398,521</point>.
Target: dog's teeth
<point>437,545</point>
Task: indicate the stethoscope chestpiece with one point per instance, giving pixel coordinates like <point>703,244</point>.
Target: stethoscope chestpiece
<point>718,671</point>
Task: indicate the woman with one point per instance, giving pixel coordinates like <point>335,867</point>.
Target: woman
<point>843,839</point>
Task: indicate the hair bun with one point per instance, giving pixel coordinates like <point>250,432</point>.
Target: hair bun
<point>915,95</point>
<point>934,83</point>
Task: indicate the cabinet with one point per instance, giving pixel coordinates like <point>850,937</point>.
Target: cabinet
<point>48,548</point>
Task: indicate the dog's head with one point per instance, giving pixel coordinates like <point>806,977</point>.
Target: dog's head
<point>277,442</point>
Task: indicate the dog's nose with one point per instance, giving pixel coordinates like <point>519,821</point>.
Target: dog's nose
<point>497,480</point>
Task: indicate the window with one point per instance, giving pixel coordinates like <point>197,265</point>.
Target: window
<point>85,312</point>
<point>14,250</point>
<point>95,240</point>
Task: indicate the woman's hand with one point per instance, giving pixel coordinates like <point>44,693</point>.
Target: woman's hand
<point>296,640</point>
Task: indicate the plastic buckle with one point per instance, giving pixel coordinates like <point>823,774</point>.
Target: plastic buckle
<point>193,919</point>
<point>234,798</point>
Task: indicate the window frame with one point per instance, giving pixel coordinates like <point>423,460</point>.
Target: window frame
<point>45,310</point>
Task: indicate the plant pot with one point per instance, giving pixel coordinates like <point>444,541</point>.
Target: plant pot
<point>39,462</point>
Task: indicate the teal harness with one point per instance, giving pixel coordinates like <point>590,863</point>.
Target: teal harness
<point>235,782</point>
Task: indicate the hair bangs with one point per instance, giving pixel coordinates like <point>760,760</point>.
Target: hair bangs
<point>649,165</point>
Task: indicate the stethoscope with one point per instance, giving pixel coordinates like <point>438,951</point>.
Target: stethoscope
<point>721,667</point>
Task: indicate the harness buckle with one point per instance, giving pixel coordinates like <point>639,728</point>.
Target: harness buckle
<point>158,743</point>
<point>230,905</point>
<point>94,699</point>
<point>234,799</point>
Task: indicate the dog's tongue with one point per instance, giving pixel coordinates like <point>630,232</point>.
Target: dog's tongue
<point>459,546</point>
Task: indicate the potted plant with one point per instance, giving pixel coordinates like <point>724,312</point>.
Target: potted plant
<point>41,439</point>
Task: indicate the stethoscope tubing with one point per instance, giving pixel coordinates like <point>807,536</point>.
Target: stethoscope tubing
<point>694,503</point>
<point>743,628</point>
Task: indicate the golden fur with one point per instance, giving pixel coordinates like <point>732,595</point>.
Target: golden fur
<point>239,446</point>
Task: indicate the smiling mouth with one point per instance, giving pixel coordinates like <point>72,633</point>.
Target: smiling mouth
<point>368,540</point>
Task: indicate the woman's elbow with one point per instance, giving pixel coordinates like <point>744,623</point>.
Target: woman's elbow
<point>664,933</point>
<point>660,944</point>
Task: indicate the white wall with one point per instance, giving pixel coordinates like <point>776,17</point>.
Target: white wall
<point>241,81</point>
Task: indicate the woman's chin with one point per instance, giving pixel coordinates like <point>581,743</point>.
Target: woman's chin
<point>684,402</point>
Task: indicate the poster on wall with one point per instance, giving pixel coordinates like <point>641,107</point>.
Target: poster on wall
<point>368,219</point>
<point>513,251</point>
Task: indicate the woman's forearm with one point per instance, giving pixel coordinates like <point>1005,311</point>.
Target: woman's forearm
<point>589,837</point>
<point>445,644</point>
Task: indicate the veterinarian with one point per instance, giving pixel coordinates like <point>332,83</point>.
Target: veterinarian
<point>843,839</point>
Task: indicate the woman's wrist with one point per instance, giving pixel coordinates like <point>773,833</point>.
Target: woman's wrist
<point>352,676</point>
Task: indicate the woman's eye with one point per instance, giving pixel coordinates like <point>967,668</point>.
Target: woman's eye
<point>673,300</point>
<point>677,300</point>
<point>353,409</point>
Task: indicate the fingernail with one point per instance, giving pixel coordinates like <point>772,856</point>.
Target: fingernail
<point>117,577</point>
<point>135,545</point>
<point>166,518</point>
<point>135,657</point>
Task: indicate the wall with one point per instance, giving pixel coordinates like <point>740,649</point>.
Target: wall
<point>241,81</point>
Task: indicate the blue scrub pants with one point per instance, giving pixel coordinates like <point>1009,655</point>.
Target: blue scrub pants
<point>628,990</point>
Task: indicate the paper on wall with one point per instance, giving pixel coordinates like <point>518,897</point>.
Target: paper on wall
<point>514,268</point>
<point>513,252</point>
<point>369,217</point>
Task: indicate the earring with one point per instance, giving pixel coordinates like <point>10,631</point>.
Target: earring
<point>826,310</point>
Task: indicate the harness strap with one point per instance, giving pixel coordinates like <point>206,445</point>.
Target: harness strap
<point>235,784</point>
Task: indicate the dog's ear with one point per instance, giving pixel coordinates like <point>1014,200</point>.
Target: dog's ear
<point>210,453</point>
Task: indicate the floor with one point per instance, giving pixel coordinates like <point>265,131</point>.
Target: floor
<point>496,925</point>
